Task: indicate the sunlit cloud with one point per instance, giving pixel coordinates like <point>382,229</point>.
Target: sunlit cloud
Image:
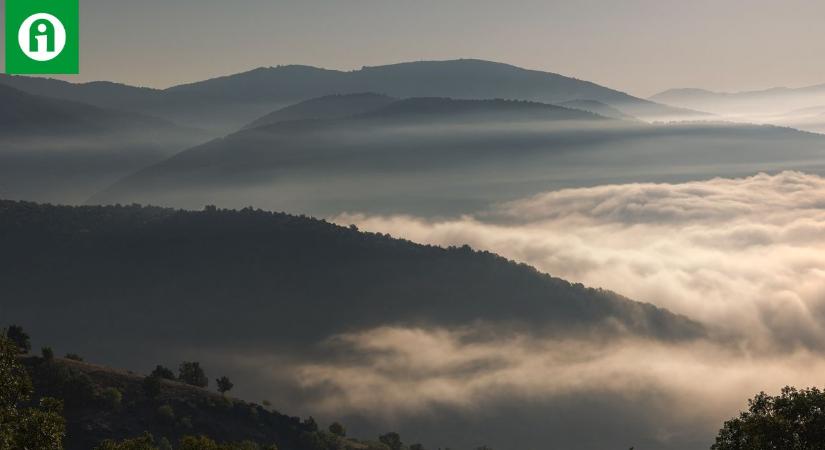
<point>746,256</point>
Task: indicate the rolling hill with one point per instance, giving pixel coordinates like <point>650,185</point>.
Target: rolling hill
<point>226,103</point>
<point>788,98</point>
<point>463,79</point>
<point>25,115</point>
<point>272,268</point>
<point>92,416</point>
<point>446,156</point>
<point>64,151</point>
<point>597,108</point>
<point>793,107</point>
<point>327,107</point>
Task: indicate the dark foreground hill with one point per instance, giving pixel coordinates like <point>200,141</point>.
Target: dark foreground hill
<point>268,278</point>
<point>103,403</point>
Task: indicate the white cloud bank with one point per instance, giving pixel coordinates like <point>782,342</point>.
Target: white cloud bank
<point>745,256</point>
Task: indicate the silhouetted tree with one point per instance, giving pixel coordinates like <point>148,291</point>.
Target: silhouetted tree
<point>310,424</point>
<point>47,353</point>
<point>337,429</point>
<point>794,419</point>
<point>224,385</point>
<point>391,440</point>
<point>19,338</point>
<point>163,372</point>
<point>190,372</point>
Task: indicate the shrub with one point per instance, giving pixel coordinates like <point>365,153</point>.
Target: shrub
<point>166,414</point>
<point>112,397</point>
<point>47,353</point>
<point>337,429</point>
<point>197,443</point>
<point>391,440</point>
<point>192,373</point>
<point>73,357</point>
<point>152,386</point>
<point>145,442</point>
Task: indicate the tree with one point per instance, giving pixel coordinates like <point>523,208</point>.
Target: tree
<point>48,353</point>
<point>25,427</point>
<point>794,419</point>
<point>163,372</point>
<point>337,429</point>
<point>224,385</point>
<point>391,440</point>
<point>310,424</point>
<point>19,338</point>
<point>192,373</point>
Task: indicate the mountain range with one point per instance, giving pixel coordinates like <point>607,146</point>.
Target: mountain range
<point>443,156</point>
<point>802,108</point>
<point>65,151</point>
<point>226,103</point>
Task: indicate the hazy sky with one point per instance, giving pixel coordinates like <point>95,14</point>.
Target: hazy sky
<point>640,46</point>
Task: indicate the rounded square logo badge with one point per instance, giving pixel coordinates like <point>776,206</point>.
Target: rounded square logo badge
<point>42,36</point>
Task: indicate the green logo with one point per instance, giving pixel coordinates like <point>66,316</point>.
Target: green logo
<point>42,36</point>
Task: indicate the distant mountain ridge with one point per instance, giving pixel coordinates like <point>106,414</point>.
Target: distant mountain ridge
<point>435,156</point>
<point>779,99</point>
<point>229,102</point>
<point>326,107</point>
<point>21,113</point>
<point>440,108</point>
<point>597,108</point>
<point>792,107</point>
<point>698,92</point>
<point>65,150</point>
<point>377,106</point>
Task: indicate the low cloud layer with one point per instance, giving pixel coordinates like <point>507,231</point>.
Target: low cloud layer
<point>746,256</point>
<point>487,384</point>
